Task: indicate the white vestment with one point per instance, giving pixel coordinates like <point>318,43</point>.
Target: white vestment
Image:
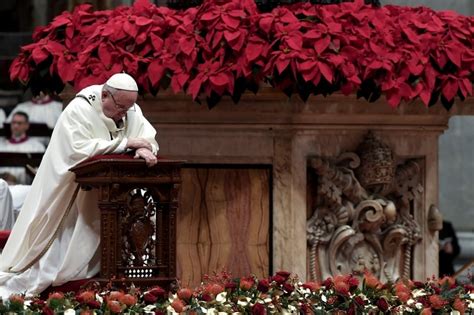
<point>7,217</point>
<point>81,132</point>
<point>28,146</point>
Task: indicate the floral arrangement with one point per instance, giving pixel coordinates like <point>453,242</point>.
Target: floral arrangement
<point>282,293</point>
<point>227,47</point>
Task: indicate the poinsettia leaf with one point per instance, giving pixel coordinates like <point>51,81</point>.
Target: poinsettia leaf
<point>253,51</point>
<point>450,89</point>
<point>157,42</point>
<point>321,44</point>
<point>393,98</point>
<point>130,29</point>
<point>187,45</point>
<point>209,16</point>
<point>230,21</point>
<point>266,23</point>
<point>66,69</point>
<point>231,35</point>
<point>425,96</point>
<point>142,21</point>
<point>295,42</point>
<point>282,64</point>
<point>219,79</point>
<point>104,54</point>
<point>39,55</point>
<point>454,54</point>
<point>155,72</point>
<point>326,71</point>
<point>194,87</point>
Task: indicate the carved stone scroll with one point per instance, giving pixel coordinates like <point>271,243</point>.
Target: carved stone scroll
<point>362,213</point>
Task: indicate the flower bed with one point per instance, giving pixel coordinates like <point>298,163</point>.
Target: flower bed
<point>279,294</point>
<point>227,47</point>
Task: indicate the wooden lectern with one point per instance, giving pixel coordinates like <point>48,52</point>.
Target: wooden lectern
<point>138,208</point>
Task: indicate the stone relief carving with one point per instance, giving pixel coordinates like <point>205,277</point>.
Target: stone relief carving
<point>363,206</point>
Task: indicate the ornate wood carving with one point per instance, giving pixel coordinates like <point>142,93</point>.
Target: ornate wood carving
<point>138,218</point>
<point>363,206</point>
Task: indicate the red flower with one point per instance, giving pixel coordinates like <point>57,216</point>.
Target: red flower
<point>313,286</point>
<point>158,292</point>
<point>437,302</point>
<point>340,285</point>
<point>185,294</point>
<point>246,284</point>
<point>114,306</point>
<point>459,306</point>
<point>278,279</point>
<point>258,309</point>
<point>288,287</point>
<point>149,298</point>
<point>94,304</point>
<point>128,300</point>
<point>178,305</point>
<point>85,297</point>
<point>263,285</point>
<point>383,304</point>
<point>47,311</point>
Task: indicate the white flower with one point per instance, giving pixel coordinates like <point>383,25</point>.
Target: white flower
<point>410,301</point>
<point>419,306</point>
<point>417,293</point>
<point>221,297</point>
<point>243,302</point>
<point>69,311</point>
<point>149,308</point>
<point>212,311</point>
<point>267,300</point>
<point>324,298</point>
<point>454,312</point>
<point>99,298</point>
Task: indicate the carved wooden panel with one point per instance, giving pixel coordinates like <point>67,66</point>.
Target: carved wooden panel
<point>138,217</point>
<point>362,207</point>
<point>223,222</point>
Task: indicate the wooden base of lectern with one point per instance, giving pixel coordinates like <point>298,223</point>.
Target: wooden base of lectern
<point>138,208</point>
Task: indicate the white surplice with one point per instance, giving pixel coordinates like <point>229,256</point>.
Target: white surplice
<point>47,113</point>
<point>81,132</point>
<point>28,146</point>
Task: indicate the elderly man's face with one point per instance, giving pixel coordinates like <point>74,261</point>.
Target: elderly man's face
<point>116,106</point>
<point>19,126</point>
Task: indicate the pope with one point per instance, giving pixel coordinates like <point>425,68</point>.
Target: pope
<point>57,234</point>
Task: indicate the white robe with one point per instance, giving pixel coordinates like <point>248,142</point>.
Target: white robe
<point>82,131</point>
<point>29,146</point>
<point>7,217</point>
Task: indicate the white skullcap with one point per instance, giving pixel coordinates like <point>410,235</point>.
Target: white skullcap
<point>122,81</point>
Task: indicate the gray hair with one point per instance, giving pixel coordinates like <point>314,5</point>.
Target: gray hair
<point>109,89</point>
